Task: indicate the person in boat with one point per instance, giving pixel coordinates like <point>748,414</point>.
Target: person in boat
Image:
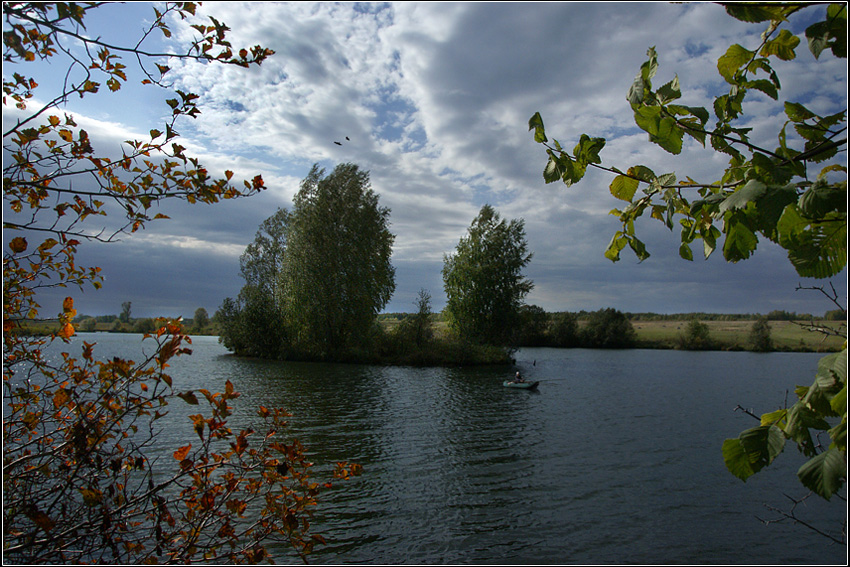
<point>518,378</point>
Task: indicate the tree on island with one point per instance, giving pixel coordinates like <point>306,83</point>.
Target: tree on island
<point>253,323</point>
<point>483,279</point>
<point>79,482</point>
<point>316,277</point>
<point>337,274</point>
<point>762,191</point>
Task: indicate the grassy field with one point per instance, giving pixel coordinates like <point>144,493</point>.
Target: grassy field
<point>728,335</point>
<point>734,335</point>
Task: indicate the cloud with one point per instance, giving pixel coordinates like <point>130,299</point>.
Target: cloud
<point>434,99</point>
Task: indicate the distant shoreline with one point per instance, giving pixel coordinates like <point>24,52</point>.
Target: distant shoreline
<point>787,336</point>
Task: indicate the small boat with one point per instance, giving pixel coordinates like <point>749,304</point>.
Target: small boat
<point>521,385</point>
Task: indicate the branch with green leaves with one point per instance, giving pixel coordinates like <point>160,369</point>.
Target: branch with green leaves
<point>767,192</point>
<point>762,191</point>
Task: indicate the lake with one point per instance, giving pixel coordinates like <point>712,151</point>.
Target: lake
<point>614,459</point>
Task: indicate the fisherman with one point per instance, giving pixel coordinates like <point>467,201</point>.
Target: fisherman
<point>518,378</point>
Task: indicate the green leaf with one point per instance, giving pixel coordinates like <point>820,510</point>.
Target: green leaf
<point>832,370</point>
<point>740,241</point>
<point>587,150</point>
<point>765,86</point>
<point>709,240</point>
<point>536,123</point>
<point>755,13</point>
<point>751,191</point>
<point>670,91</point>
<point>796,112</point>
<point>552,172</point>
<point>639,248</point>
<point>782,46</point>
<point>662,129</point>
<point>618,242</point>
<point>650,66</point>
<point>838,403</point>
<point>685,252</point>
<point>830,33</point>
<point>736,459</point>
<point>773,417</point>
<point>821,199</point>
<point>800,420</point>
<point>824,474</point>
<point>734,58</point>
<point>624,188</point>
<point>753,450</point>
<point>816,249</point>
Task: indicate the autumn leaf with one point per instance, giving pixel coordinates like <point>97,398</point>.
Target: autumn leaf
<point>189,398</point>
<point>181,453</point>
<point>18,244</point>
<point>61,397</point>
<point>66,332</point>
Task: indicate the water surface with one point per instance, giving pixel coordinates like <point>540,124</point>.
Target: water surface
<point>615,459</point>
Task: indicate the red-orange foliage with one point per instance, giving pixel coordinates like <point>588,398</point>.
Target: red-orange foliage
<point>79,482</point>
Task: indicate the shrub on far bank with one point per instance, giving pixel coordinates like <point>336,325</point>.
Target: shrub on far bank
<point>696,337</point>
<point>760,340</point>
<point>608,328</point>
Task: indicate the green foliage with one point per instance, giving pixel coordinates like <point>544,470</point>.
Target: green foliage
<point>563,330</point>
<point>144,326</point>
<point>337,273</point>
<point>608,328</point>
<point>826,471</point>
<point>696,336</point>
<point>483,279</point>
<point>760,340</point>
<point>253,324</point>
<point>417,329</point>
<point>763,192</point>
<point>126,309</point>
<point>315,278</point>
<point>533,327</point>
<point>201,319</point>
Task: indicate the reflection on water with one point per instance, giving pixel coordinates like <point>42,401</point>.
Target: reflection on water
<point>616,459</point>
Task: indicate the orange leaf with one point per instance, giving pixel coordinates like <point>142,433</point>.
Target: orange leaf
<point>61,397</point>
<point>67,331</point>
<point>182,452</point>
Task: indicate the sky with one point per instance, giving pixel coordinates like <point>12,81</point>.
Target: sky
<point>433,99</point>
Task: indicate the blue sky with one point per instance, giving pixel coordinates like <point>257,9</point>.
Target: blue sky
<point>435,98</point>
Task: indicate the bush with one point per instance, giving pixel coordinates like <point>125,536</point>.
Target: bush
<point>696,337</point>
<point>608,328</point>
<point>563,331</point>
<point>760,340</point>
